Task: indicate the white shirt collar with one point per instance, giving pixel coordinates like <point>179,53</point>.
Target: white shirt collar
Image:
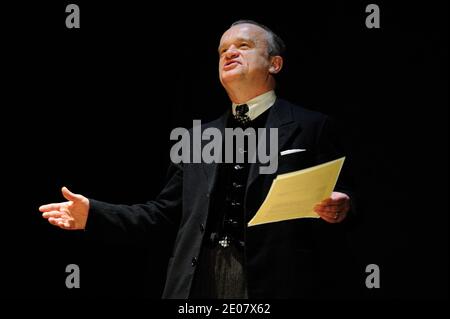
<point>259,104</point>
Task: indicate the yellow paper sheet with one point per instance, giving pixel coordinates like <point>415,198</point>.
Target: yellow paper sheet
<point>294,195</point>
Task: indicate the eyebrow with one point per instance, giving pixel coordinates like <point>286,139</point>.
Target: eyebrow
<point>238,40</point>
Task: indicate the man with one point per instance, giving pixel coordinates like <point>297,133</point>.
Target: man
<point>215,255</point>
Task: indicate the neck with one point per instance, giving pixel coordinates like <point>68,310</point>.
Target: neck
<point>241,92</point>
<point>240,96</point>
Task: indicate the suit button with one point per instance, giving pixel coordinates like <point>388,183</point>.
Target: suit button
<point>236,185</point>
<point>235,204</point>
<point>202,228</point>
<point>231,222</point>
<point>194,262</point>
<point>207,195</point>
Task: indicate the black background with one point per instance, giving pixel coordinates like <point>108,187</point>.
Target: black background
<point>92,109</point>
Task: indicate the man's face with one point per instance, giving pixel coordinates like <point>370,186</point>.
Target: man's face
<point>243,52</point>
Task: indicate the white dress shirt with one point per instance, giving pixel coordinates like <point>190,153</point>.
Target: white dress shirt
<point>259,104</point>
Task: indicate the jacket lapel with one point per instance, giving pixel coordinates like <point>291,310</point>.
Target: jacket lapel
<point>280,116</point>
<point>211,169</point>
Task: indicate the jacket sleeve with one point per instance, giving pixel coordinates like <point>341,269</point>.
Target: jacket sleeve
<point>114,222</point>
<point>331,146</point>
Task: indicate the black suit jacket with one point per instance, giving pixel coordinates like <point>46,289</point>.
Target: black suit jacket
<point>280,260</point>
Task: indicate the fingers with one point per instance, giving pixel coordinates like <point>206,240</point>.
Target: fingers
<point>56,221</point>
<point>337,203</point>
<point>61,222</point>
<point>332,204</point>
<point>332,217</point>
<point>51,207</point>
<point>69,195</point>
<point>57,206</point>
<point>333,201</point>
<point>54,214</point>
<point>330,209</point>
<point>329,219</point>
<point>333,210</point>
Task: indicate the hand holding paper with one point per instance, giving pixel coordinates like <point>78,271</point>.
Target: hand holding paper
<point>294,195</point>
<point>335,208</point>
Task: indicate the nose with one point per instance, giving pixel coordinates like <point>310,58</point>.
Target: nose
<point>231,53</point>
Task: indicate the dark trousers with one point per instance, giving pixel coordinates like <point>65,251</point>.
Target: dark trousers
<point>220,274</point>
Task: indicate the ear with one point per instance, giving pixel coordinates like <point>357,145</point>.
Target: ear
<point>276,64</point>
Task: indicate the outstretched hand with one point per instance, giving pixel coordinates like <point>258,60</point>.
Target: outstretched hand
<point>70,215</point>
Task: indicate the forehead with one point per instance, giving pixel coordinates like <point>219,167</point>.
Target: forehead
<point>244,31</point>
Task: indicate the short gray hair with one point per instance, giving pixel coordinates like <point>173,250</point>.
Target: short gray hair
<point>276,44</point>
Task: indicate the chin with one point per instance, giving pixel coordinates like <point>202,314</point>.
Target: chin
<point>229,77</point>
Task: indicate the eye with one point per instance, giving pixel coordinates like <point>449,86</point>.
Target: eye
<point>243,45</point>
